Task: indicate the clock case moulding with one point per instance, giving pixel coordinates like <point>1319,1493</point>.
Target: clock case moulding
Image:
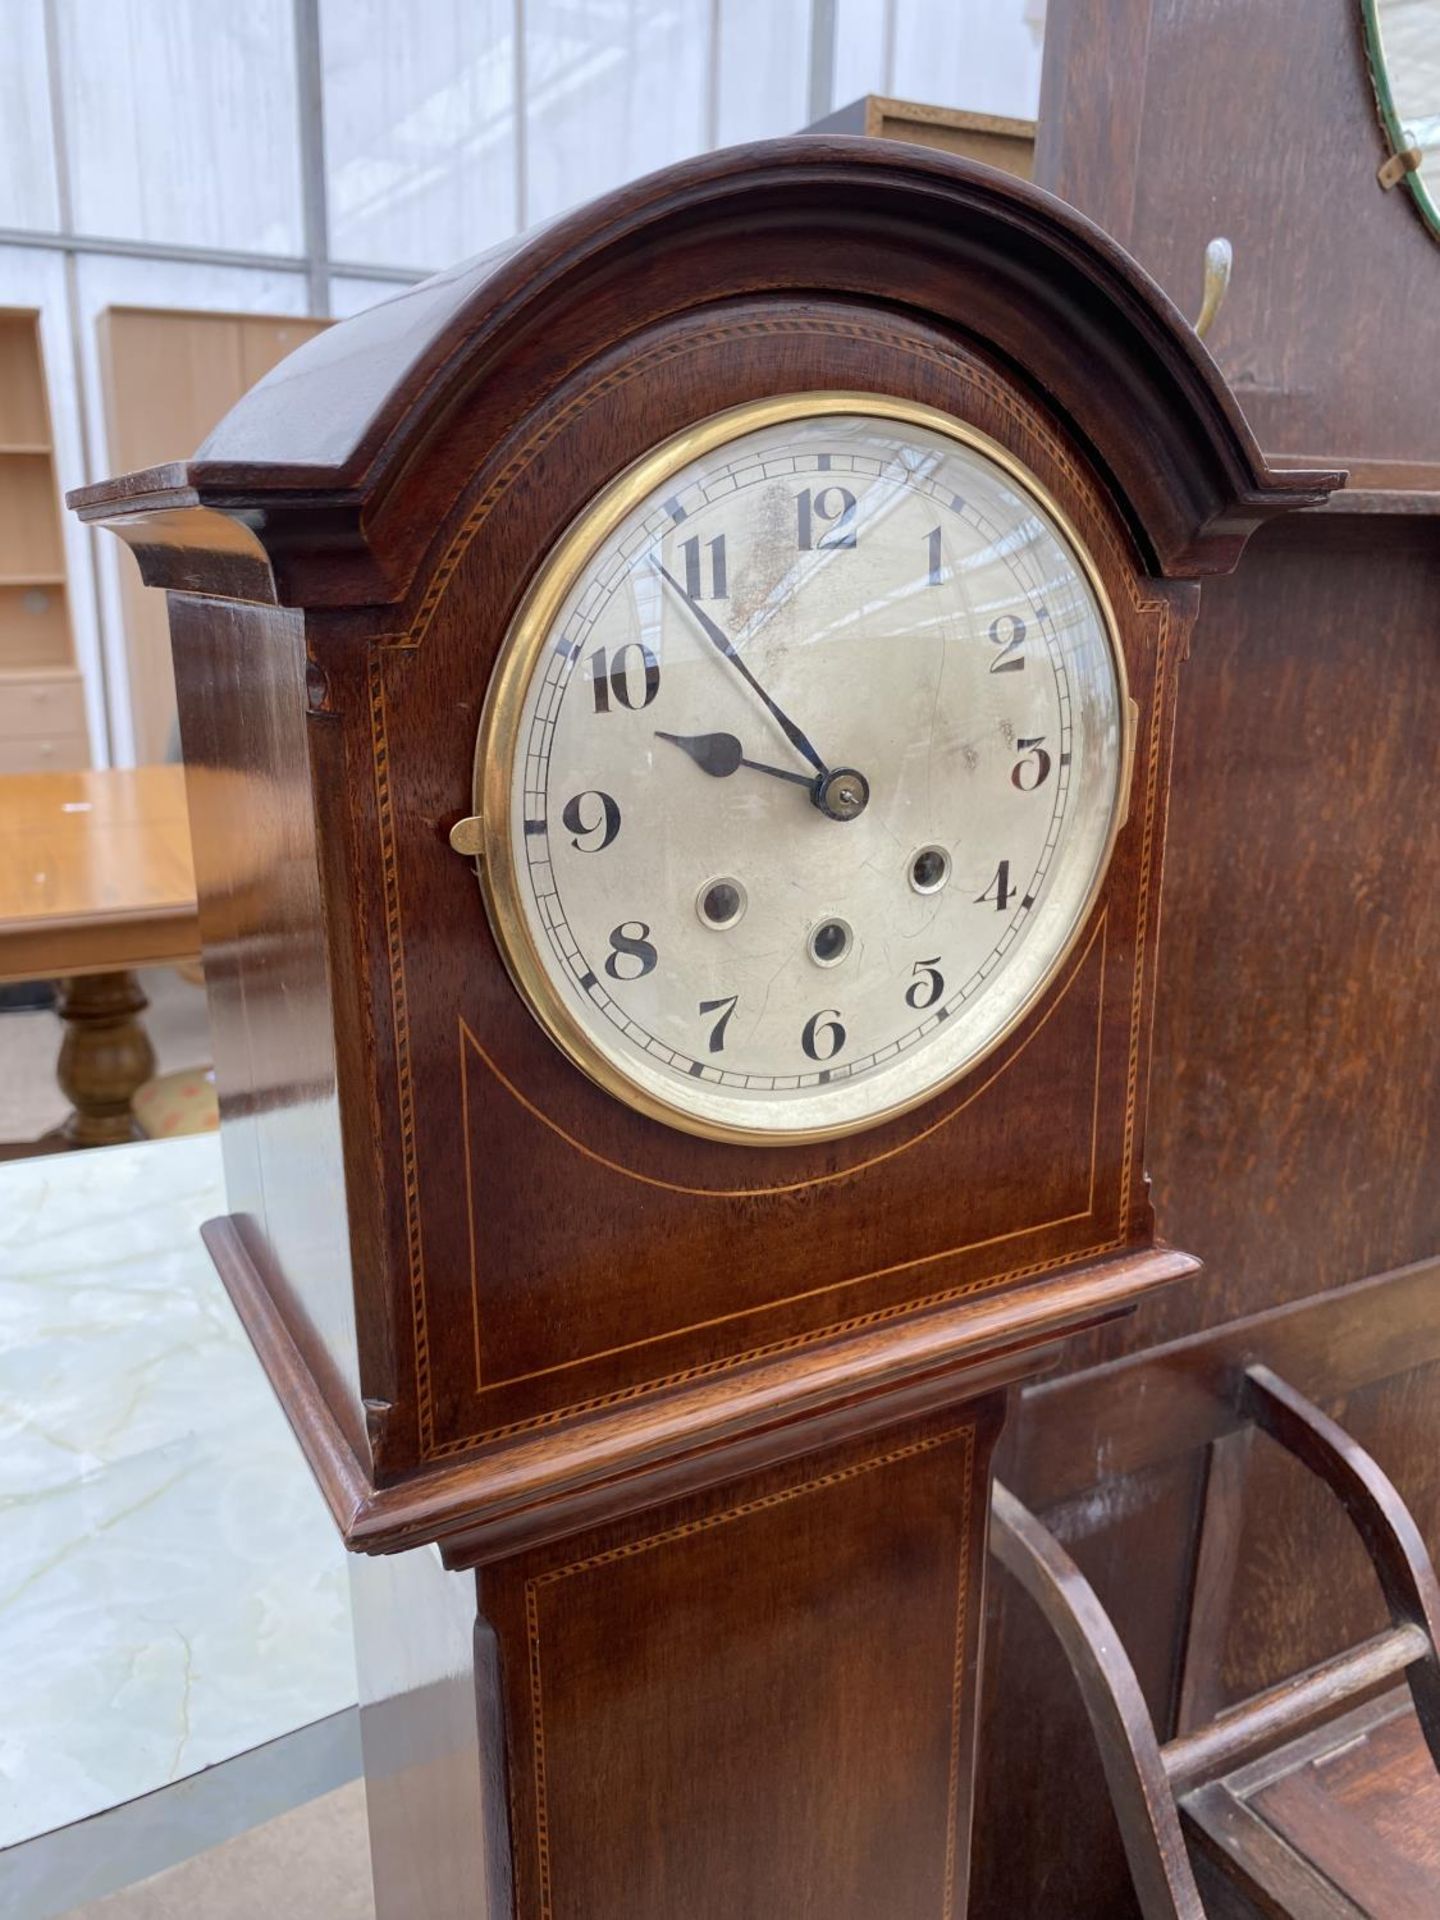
<point>497,1305</point>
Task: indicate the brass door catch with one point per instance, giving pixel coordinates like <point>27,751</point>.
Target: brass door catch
<point>465,836</point>
<point>1393,170</point>
<point>1219,259</point>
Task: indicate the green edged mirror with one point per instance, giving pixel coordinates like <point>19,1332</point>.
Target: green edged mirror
<point>1403,44</point>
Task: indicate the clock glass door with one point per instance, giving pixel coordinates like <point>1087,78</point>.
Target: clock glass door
<point>801,767</point>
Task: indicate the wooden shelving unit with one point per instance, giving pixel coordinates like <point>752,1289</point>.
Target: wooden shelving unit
<point>42,703</point>
<point>168,377</point>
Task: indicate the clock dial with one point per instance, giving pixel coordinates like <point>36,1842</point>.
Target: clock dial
<point>801,767</point>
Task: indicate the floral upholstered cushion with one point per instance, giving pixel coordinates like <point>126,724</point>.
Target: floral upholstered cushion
<point>176,1103</point>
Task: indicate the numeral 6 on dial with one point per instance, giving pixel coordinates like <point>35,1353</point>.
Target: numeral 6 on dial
<point>823,1026</point>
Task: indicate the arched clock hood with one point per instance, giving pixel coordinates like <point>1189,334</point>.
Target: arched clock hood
<point>306,468</point>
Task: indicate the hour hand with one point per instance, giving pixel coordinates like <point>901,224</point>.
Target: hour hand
<point>720,754</point>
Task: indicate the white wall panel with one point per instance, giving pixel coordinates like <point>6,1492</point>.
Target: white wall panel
<point>763,77</point>
<point>27,164</point>
<point>860,42</point>
<point>613,89</point>
<point>182,122</point>
<point>983,55</point>
<point>419,128</point>
<point>349,293</point>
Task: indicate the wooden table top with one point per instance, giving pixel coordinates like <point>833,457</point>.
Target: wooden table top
<point>95,872</point>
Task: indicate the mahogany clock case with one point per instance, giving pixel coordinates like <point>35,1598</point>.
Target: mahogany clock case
<point>597,1252</point>
<point>529,1256</point>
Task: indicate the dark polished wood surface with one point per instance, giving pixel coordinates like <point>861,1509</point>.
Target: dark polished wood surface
<point>1169,123</point>
<point>1293,1146</point>
<point>1343,1825</point>
<point>444,1087</point>
<point>1243,1787</point>
<point>812,1635</point>
<point>1367,1816</point>
<point>1296,1101</point>
<point>837,1236</point>
<point>713,1421</point>
<point>1126,1747</point>
<point>545,1483</point>
<point>1125,1489</point>
<point>1295,1106</point>
<point>359,443</point>
<point>1221,1744</point>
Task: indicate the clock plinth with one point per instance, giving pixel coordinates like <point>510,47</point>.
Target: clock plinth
<point>705,1410</point>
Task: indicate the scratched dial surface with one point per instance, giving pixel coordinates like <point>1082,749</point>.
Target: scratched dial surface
<point>809,759</point>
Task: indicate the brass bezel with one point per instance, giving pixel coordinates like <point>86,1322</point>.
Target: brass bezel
<point>525,642</point>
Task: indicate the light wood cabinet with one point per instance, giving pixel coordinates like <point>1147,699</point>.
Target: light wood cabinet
<point>24,415</point>
<point>994,138</point>
<point>42,708</point>
<point>168,378</point>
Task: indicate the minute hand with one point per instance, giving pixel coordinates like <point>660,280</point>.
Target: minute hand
<point>720,640</point>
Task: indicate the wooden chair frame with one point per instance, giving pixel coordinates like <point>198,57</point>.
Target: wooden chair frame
<point>1149,1780</point>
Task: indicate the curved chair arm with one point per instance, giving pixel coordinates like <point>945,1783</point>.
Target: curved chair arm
<point>1119,1718</point>
<point>1380,1517</point>
<point>1146,1780</point>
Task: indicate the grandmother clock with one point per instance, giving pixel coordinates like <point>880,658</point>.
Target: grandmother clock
<point>769,584</point>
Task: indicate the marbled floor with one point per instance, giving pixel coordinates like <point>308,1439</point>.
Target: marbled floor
<point>172,1592</point>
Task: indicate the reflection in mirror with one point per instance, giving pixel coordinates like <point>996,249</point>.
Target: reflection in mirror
<point>1404,48</point>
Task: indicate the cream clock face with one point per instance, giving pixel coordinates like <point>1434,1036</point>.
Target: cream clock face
<point>800,768</point>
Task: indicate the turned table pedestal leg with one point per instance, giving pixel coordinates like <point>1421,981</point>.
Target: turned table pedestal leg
<point>105,1056</point>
